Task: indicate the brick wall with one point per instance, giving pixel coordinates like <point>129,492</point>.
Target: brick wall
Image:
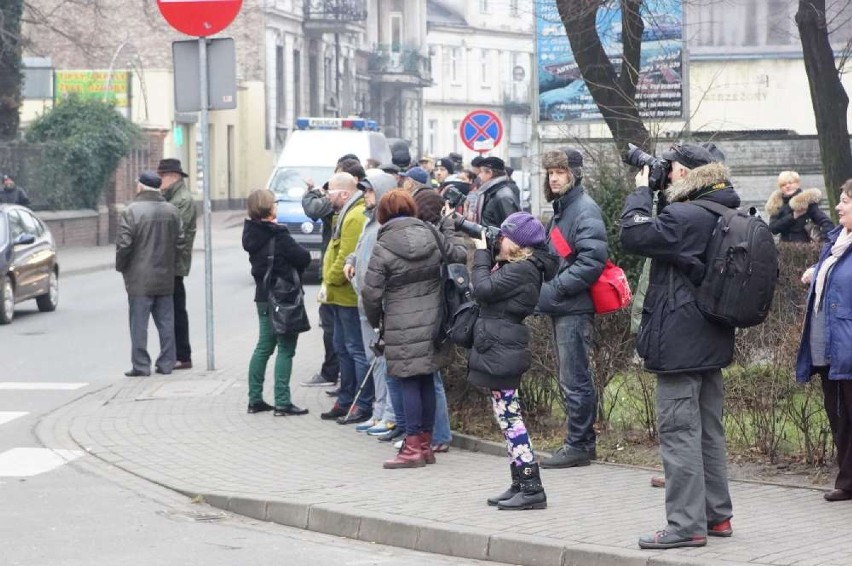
<point>77,227</point>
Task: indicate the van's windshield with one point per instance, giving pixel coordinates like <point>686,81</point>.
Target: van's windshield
<point>285,181</point>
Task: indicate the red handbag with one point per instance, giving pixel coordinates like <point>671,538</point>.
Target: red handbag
<point>611,292</point>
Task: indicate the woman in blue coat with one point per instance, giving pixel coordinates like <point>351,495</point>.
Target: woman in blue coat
<point>826,347</point>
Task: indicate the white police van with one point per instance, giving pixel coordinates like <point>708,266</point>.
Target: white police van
<point>311,153</point>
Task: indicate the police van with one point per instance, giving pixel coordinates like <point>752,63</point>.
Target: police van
<point>310,154</point>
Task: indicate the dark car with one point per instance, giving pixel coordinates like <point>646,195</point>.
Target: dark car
<point>28,266</point>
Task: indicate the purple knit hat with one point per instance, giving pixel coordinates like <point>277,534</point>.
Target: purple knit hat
<point>523,229</point>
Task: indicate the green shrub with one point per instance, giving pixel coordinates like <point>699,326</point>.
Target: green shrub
<point>84,142</point>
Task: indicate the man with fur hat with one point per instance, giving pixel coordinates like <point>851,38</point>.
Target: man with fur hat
<point>577,234</point>
<point>790,209</point>
<point>175,191</point>
<point>686,350</point>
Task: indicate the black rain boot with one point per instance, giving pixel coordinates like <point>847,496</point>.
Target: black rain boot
<point>531,495</point>
<point>513,489</point>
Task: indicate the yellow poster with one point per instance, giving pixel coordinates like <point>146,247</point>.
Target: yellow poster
<point>93,85</point>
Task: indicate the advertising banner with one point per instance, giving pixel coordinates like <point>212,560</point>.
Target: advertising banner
<point>92,85</point>
<point>562,93</point>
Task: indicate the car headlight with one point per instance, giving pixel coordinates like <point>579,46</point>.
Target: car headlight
<point>307,227</point>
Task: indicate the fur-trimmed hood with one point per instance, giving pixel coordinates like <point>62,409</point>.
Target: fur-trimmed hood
<point>799,201</point>
<point>697,179</point>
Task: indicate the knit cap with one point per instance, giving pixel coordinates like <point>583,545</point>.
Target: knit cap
<point>523,229</point>
<point>429,205</point>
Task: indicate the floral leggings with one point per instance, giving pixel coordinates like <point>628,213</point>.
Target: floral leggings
<point>507,410</point>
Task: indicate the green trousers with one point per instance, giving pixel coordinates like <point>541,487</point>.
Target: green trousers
<point>266,342</point>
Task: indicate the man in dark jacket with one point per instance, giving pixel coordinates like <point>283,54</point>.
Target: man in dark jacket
<point>176,192</point>
<point>496,200</point>
<point>577,234</point>
<point>12,193</point>
<point>146,253</point>
<point>684,349</point>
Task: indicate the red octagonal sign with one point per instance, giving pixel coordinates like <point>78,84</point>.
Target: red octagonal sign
<point>199,17</point>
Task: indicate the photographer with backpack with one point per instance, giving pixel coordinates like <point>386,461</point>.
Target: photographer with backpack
<point>681,345</point>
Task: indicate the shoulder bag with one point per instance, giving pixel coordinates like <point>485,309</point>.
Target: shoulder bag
<point>286,299</point>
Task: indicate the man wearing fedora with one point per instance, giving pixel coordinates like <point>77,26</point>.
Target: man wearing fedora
<point>176,192</point>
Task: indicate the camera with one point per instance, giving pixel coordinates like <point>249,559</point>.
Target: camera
<point>474,230</point>
<point>658,168</point>
<point>453,196</point>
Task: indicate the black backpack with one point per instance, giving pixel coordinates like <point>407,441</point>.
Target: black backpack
<point>741,269</point>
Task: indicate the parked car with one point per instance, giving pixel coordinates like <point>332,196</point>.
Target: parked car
<point>28,265</point>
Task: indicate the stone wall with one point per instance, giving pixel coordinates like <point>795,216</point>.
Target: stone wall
<point>78,227</point>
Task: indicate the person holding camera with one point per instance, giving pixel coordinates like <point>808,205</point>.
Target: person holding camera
<point>686,350</point>
<point>792,211</point>
<point>577,234</point>
<point>506,286</point>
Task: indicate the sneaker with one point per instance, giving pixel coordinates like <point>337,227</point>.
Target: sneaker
<point>720,529</point>
<point>380,428</point>
<point>367,425</point>
<point>567,457</point>
<point>318,381</point>
<point>391,435</point>
<point>662,540</point>
<point>441,447</point>
<point>333,392</point>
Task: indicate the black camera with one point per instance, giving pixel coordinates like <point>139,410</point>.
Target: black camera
<point>658,168</point>
<point>453,196</point>
<point>474,230</point>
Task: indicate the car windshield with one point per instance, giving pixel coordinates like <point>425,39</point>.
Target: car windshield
<point>289,184</point>
<point>4,230</point>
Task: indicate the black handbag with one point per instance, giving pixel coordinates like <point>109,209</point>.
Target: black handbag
<point>286,299</point>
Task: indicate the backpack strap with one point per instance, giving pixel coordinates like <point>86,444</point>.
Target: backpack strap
<point>714,207</point>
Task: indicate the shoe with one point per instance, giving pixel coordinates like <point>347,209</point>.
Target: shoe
<point>838,495</point>
<point>392,435</point>
<point>161,372</point>
<point>514,488</point>
<point>658,481</point>
<point>318,381</point>
<point>531,493</point>
<point>567,457</point>
<point>409,455</point>
<point>662,540</point>
<point>289,409</point>
<point>136,373</point>
<point>183,365</point>
<point>259,407</point>
<point>720,529</point>
<point>335,412</point>
<point>426,447</point>
<point>366,425</point>
<point>359,415</point>
<point>380,428</point>
<point>334,392</point>
<point>441,447</point>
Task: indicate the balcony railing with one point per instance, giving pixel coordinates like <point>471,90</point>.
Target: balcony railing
<point>402,60</point>
<point>336,10</point>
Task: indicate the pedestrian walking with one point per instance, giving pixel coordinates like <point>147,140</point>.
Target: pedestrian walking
<point>148,243</point>
<point>260,231</point>
<point>683,348</point>
<point>176,192</point>
<point>506,287</point>
<point>827,336</point>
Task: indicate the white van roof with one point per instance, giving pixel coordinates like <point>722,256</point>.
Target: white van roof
<point>322,148</point>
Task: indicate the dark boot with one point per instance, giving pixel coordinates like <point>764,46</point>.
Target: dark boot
<point>531,494</point>
<point>409,456</point>
<point>426,447</point>
<point>513,489</point>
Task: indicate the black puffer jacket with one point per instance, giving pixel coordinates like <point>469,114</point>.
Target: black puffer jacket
<point>500,353</point>
<point>782,222</point>
<point>257,234</point>
<point>674,336</point>
<point>402,292</point>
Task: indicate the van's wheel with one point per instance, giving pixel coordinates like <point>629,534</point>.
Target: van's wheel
<point>49,301</point>
<point>7,300</point>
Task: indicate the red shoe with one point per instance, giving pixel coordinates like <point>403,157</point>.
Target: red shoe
<point>409,456</point>
<point>426,447</point>
<point>721,529</point>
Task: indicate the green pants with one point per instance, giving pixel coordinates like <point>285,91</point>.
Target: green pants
<point>266,342</point>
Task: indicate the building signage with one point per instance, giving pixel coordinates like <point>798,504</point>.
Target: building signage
<point>90,85</point>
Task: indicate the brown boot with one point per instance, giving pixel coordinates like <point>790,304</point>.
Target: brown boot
<point>409,456</point>
<point>426,447</point>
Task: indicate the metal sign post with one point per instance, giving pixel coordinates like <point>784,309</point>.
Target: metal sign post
<point>205,176</point>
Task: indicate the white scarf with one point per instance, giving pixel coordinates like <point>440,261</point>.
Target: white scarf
<point>837,250</point>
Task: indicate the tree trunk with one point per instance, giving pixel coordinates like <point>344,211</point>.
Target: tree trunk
<point>614,95</point>
<point>828,97</point>
<point>10,68</point>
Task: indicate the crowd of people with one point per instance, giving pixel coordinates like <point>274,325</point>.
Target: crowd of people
<point>388,234</point>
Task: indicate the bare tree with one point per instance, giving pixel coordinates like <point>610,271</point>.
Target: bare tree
<point>828,96</point>
<point>10,68</point>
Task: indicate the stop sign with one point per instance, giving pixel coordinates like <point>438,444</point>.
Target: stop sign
<point>199,17</point>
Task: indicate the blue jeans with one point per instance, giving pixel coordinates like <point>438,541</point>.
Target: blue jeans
<point>349,345</point>
<point>573,335</point>
<point>441,431</point>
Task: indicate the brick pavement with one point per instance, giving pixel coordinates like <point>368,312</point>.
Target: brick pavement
<point>190,432</point>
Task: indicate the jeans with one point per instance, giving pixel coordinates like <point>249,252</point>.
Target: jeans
<point>330,367</point>
<point>441,433</point>
<point>418,397</point>
<point>573,335</point>
<point>382,408</point>
<point>184,350</point>
<point>267,340</point>
<point>161,308</point>
<point>349,345</point>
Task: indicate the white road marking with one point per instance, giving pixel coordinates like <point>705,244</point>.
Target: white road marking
<point>27,462</point>
<point>39,386</point>
<point>7,416</point>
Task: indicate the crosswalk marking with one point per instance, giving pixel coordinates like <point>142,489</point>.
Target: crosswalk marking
<point>7,416</point>
<point>39,386</point>
<point>27,462</point>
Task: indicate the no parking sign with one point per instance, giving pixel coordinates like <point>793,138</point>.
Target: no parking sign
<point>481,130</point>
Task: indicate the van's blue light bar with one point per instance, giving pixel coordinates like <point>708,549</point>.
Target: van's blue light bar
<point>358,124</point>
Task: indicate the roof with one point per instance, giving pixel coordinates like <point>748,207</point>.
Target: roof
<point>440,15</point>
